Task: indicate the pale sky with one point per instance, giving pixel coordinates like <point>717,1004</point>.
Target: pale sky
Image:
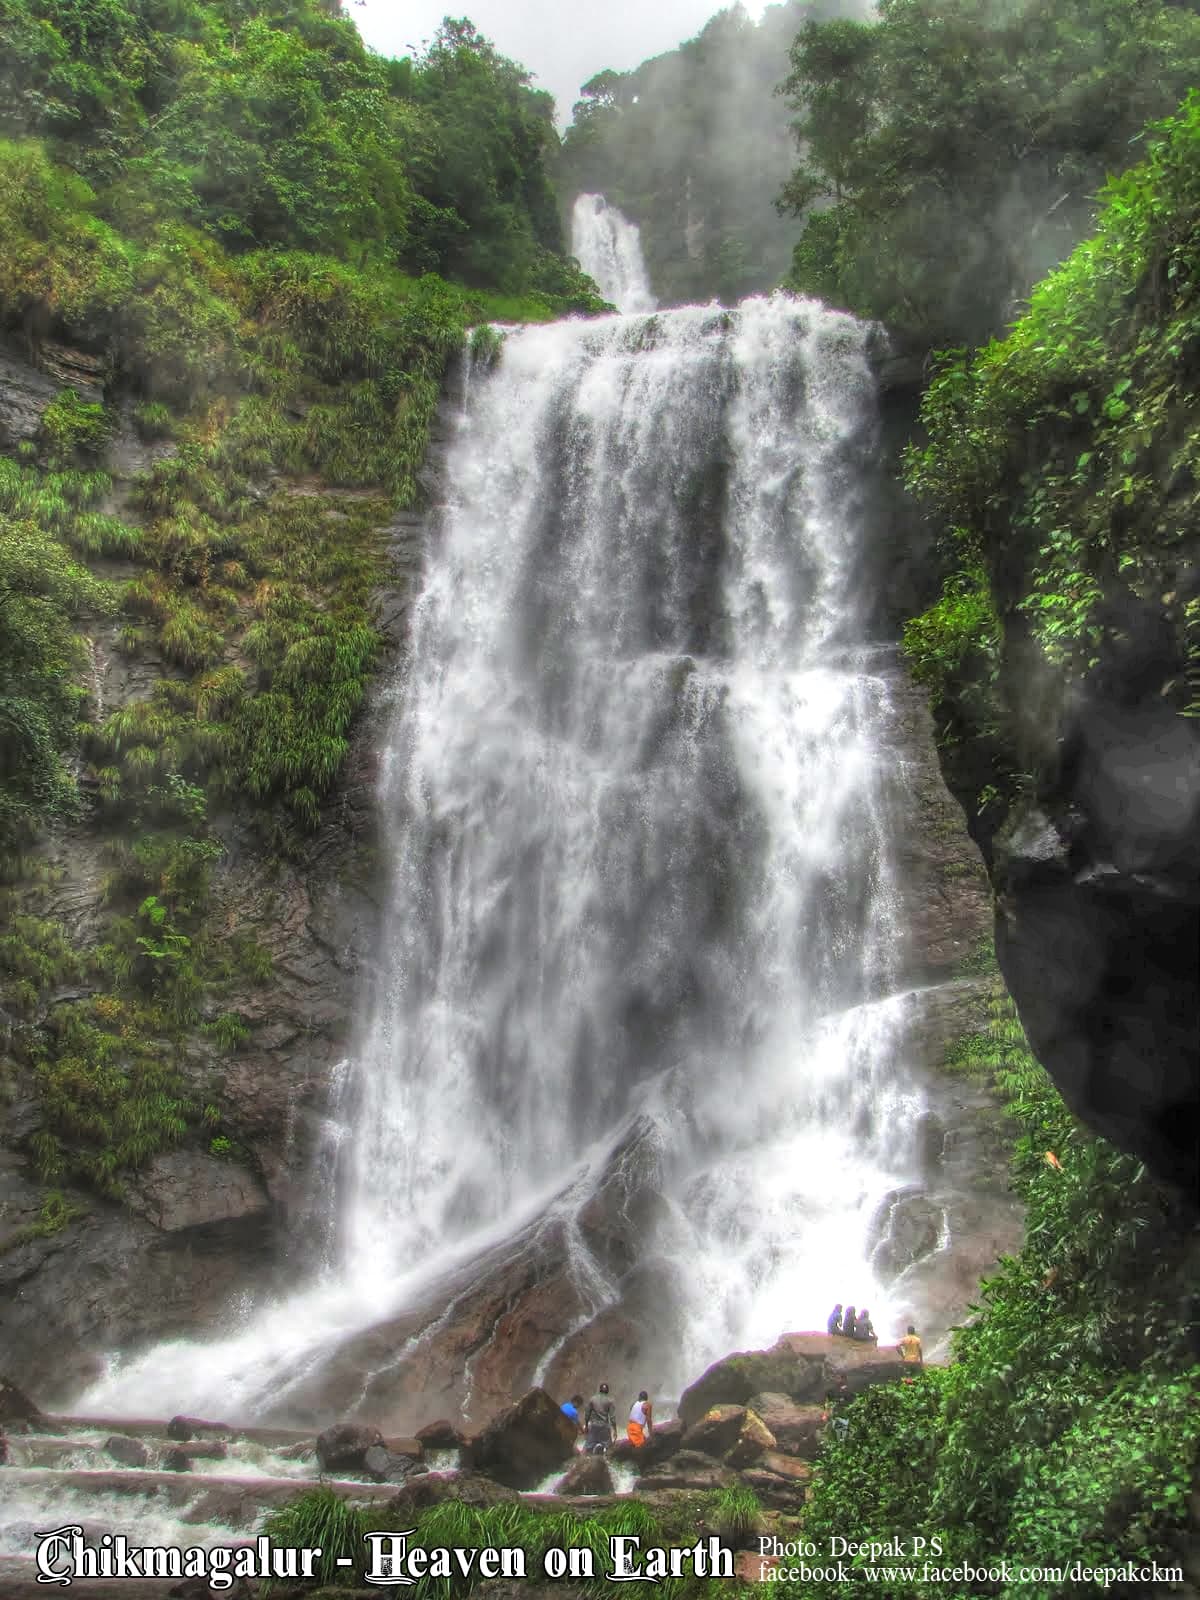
<point>562,45</point>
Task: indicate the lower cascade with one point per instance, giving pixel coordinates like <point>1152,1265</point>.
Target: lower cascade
<point>641,1080</point>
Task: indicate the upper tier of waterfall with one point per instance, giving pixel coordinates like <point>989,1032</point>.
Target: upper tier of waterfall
<point>609,249</point>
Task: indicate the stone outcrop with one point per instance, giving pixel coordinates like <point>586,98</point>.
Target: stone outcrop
<point>734,1433</point>
<point>586,1475</point>
<point>183,1189</point>
<point>1098,931</point>
<point>432,1488</point>
<point>525,1442</point>
<point>796,1428</point>
<point>127,1452</point>
<point>344,1447</point>
<point>803,1366</point>
<point>687,1469</point>
<point>15,1405</point>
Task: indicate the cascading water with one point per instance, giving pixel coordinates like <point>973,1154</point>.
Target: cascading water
<point>608,248</point>
<point>640,853</point>
<point>639,788</point>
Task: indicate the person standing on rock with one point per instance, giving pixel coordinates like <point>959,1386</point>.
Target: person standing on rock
<point>910,1348</point>
<point>600,1420</point>
<point>835,1320</point>
<point>640,1427</point>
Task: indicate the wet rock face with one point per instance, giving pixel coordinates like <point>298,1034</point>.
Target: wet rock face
<point>803,1367</point>
<point>15,1405</point>
<point>198,1232</point>
<point>687,1469</point>
<point>126,1451</point>
<point>345,1446</point>
<point>586,1475</point>
<point>1098,935</point>
<point>525,1443</point>
<point>188,1189</point>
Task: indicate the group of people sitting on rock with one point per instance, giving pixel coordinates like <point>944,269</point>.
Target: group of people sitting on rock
<point>851,1326</point>
<point>596,1420</point>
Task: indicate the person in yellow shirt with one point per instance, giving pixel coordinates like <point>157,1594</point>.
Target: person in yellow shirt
<point>910,1348</point>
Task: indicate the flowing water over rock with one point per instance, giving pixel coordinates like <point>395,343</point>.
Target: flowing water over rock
<point>642,1082</point>
<point>608,248</point>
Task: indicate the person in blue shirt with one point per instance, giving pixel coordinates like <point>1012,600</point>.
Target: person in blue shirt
<point>571,1409</point>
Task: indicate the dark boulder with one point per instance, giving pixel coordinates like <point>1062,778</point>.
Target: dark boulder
<point>526,1442</point>
<point>666,1439</point>
<point>205,1449</point>
<point>1098,928</point>
<point>687,1469</point>
<point>184,1428</point>
<point>432,1488</point>
<point>405,1445</point>
<point>386,1465</point>
<point>440,1435</point>
<point>343,1448</point>
<point>586,1475</point>
<point>129,1452</point>
<point>16,1406</point>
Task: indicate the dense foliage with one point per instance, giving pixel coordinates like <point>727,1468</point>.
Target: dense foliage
<point>1067,1427</point>
<point>693,146</point>
<point>951,152</point>
<point>259,245</point>
<point>1064,461</point>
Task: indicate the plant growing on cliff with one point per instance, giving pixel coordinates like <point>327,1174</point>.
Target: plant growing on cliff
<point>42,593</point>
<point>1062,456</point>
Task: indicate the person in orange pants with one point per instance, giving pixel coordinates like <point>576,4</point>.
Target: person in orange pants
<point>640,1427</point>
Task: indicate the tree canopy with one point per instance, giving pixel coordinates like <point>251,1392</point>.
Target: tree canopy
<point>951,152</point>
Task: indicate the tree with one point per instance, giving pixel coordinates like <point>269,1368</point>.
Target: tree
<point>962,144</point>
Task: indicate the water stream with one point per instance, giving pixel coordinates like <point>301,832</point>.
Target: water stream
<point>639,789</point>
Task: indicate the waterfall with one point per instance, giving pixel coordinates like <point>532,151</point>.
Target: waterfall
<point>639,804</point>
<point>638,791</point>
<point>609,249</point>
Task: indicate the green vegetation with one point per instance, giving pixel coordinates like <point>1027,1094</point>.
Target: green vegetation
<point>951,152</point>
<point>1067,1427</point>
<point>319,1517</point>
<point>737,1515</point>
<point>267,242</point>
<point>693,146</point>
<point>1063,462</point>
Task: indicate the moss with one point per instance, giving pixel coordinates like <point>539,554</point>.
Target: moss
<point>980,962</point>
<point>73,430</point>
<point>56,1213</point>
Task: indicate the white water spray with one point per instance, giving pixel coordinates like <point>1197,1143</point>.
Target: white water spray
<point>609,249</point>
